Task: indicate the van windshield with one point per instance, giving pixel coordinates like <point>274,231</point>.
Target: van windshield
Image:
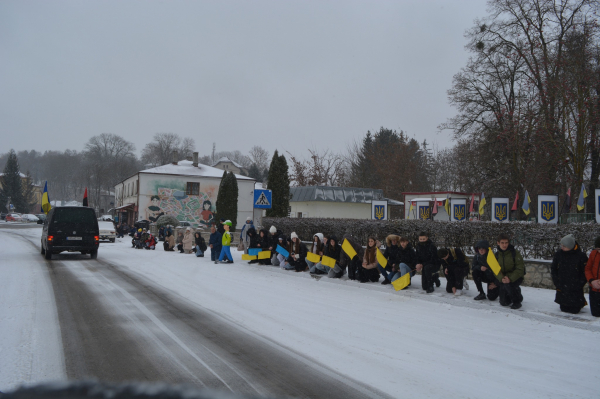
<point>77,216</point>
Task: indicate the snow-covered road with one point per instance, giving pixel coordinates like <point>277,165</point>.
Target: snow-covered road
<point>174,312</point>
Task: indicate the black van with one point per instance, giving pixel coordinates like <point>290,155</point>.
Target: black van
<point>70,228</point>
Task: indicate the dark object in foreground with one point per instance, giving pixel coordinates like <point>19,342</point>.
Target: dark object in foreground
<point>92,389</point>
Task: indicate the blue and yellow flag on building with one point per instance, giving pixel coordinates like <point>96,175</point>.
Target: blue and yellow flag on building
<point>582,196</point>
<point>46,200</point>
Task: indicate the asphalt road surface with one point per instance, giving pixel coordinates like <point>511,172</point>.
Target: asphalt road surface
<point>116,327</point>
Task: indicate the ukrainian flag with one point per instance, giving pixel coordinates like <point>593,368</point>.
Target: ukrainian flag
<point>46,200</point>
<point>481,203</point>
<point>582,196</point>
<point>526,202</point>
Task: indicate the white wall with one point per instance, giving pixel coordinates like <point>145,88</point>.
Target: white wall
<point>337,210</point>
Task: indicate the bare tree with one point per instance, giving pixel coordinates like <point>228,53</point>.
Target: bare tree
<point>260,157</point>
<point>322,168</point>
<point>160,150</point>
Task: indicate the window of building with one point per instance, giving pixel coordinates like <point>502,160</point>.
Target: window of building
<point>299,214</point>
<point>193,188</point>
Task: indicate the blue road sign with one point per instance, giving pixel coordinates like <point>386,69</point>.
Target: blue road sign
<point>262,199</point>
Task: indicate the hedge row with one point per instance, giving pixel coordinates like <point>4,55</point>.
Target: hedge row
<point>535,241</point>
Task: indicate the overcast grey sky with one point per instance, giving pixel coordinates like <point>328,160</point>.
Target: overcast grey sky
<point>281,74</point>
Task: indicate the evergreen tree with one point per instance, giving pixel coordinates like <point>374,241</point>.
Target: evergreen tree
<point>255,173</point>
<point>29,194</point>
<point>227,199</point>
<point>12,186</point>
<point>278,181</point>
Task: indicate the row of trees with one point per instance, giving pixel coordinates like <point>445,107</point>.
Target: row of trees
<point>16,189</point>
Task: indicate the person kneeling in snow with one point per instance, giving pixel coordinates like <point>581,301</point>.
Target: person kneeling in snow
<point>512,271</point>
<point>368,270</point>
<point>199,245</point>
<point>352,265</point>
<point>169,243</point>
<point>455,268</point>
<point>225,244</point>
<point>297,250</point>
<point>568,275</point>
<point>150,242</point>
<point>332,250</point>
<point>482,273</point>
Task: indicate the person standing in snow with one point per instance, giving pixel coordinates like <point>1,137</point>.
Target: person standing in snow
<point>568,275</point>
<point>483,274</point>
<point>592,275</point>
<point>244,234</point>
<point>428,263</point>
<point>512,271</point>
<point>455,268</point>
<point>214,242</point>
<point>226,243</point>
<point>317,249</point>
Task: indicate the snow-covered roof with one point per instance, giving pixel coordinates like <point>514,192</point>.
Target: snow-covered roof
<point>334,194</point>
<point>20,174</point>
<point>225,159</point>
<point>185,168</point>
<point>429,199</point>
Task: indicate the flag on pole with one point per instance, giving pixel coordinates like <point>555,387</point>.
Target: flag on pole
<point>526,202</point>
<point>85,201</point>
<point>472,201</point>
<point>46,200</point>
<point>401,282</point>
<point>434,211</point>
<point>514,207</point>
<point>447,206</point>
<point>381,259</point>
<point>567,204</point>
<point>410,210</point>
<point>582,196</point>
<point>348,249</point>
<point>493,262</point>
<point>481,203</point>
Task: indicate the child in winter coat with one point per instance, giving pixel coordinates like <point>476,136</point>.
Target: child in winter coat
<point>332,250</point>
<point>368,270</point>
<point>317,249</point>
<point>263,244</point>
<point>352,265</point>
<point>592,275</point>
<point>150,242</point>
<point>282,260</point>
<point>169,243</point>
<point>252,242</point>
<point>297,250</point>
<point>512,271</point>
<point>188,241</point>
<point>214,242</point>
<point>199,245</point>
<point>273,242</point>
<point>455,268</point>
<point>428,262</point>
<point>482,273</point>
<point>225,243</point>
<point>568,275</point>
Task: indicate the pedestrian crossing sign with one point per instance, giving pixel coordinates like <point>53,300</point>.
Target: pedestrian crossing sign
<point>263,199</point>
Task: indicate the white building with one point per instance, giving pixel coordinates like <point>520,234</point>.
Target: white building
<point>185,189</point>
<point>334,202</point>
<point>230,166</point>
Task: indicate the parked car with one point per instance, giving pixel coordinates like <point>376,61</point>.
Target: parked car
<point>41,218</point>
<point>72,229</point>
<point>107,218</point>
<point>13,217</point>
<point>28,217</point>
<point>107,231</point>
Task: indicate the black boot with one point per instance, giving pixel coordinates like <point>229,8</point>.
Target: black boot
<point>480,297</point>
<point>386,282</point>
<point>436,280</point>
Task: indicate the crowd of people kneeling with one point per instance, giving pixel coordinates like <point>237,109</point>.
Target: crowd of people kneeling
<point>571,268</point>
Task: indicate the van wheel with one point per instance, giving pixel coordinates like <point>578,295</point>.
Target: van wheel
<point>48,255</point>
<point>94,254</point>
<point>43,251</point>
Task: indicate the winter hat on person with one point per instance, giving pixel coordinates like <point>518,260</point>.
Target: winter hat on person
<point>248,219</point>
<point>272,230</point>
<point>188,229</point>
<point>222,220</point>
<point>442,253</point>
<point>228,223</point>
<point>597,242</point>
<point>568,241</point>
<point>294,235</point>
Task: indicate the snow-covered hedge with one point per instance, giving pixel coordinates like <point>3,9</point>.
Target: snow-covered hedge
<point>535,241</point>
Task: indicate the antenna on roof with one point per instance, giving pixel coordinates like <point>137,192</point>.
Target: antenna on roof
<point>213,153</point>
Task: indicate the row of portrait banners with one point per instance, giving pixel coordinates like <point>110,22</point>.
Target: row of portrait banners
<point>547,209</point>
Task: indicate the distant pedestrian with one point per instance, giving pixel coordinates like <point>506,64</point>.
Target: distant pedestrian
<point>568,275</point>
<point>215,243</point>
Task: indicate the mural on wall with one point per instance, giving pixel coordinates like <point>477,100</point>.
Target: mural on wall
<point>170,198</point>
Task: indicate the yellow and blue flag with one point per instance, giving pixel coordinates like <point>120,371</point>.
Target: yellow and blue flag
<point>46,200</point>
<point>410,210</point>
<point>447,206</point>
<point>282,251</point>
<point>481,203</point>
<point>582,196</point>
<point>526,202</point>
<point>348,249</point>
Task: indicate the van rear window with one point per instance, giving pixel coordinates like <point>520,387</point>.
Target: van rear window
<point>74,215</point>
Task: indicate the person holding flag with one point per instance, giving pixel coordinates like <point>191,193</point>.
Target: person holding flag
<point>482,273</point>
<point>316,251</point>
<point>332,252</point>
<point>511,273</point>
<point>582,196</point>
<point>351,255</point>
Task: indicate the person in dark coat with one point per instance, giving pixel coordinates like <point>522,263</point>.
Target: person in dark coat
<point>215,243</point>
<point>512,271</point>
<point>252,241</point>
<point>169,243</point>
<point>428,263</point>
<point>220,227</point>
<point>368,269</point>
<point>274,236</point>
<point>352,264</point>
<point>297,250</point>
<point>455,268</point>
<point>592,275</point>
<point>199,245</point>
<point>332,250</point>
<point>263,243</point>
<point>483,274</point>
<point>392,254</point>
<point>568,275</point>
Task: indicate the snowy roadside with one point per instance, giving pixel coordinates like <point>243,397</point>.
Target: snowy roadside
<point>30,341</point>
<point>404,343</point>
